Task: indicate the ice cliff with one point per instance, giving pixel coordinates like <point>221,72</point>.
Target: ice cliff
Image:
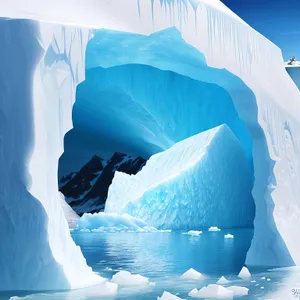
<point>190,185</point>
<point>294,72</point>
<point>41,65</point>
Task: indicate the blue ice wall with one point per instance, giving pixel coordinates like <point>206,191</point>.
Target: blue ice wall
<point>142,94</point>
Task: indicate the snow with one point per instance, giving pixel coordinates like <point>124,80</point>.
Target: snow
<point>168,296</point>
<point>212,291</point>
<point>35,123</point>
<point>125,278</point>
<point>191,274</point>
<point>193,232</point>
<point>228,236</point>
<point>214,228</point>
<point>185,171</point>
<point>245,274</point>
<point>223,280</point>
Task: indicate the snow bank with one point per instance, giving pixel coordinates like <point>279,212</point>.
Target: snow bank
<point>184,186</point>
<point>125,278</point>
<point>168,296</point>
<point>245,274</point>
<point>191,274</point>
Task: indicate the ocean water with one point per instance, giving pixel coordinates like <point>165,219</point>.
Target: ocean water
<point>163,257</point>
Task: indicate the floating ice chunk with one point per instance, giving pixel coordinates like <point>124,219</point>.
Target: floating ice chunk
<point>214,228</point>
<point>222,280</point>
<point>108,269</point>
<point>185,169</point>
<point>268,279</point>
<point>125,278</point>
<point>168,296</point>
<point>109,222</point>
<point>228,236</point>
<point>193,232</point>
<point>191,274</point>
<point>105,290</point>
<point>238,291</point>
<point>262,287</point>
<point>263,278</point>
<point>257,284</point>
<point>244,273</point>
<point>253,281</point>
<point>212,291</point>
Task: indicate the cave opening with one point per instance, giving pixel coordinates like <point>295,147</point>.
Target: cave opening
<point>139,99</point>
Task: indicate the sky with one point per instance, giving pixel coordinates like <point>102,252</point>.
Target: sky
<point>278,20</point>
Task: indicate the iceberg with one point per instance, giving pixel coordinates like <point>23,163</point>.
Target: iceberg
<point>245,274</point>
<point>189,185</point>
<point>168,296</point>
<point>43,61</point>
<point>191,274</point>
<point>125,278</point>
<point>214,228</point>
<point>223,280</point>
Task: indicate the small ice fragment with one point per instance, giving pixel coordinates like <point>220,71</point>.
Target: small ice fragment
<point>125,278</point>
<point>168,296</point>
<point>257,284</point>
<point>262,287</point>
<point>228,236</point>
<point>244,273</point>
<point>213,291</point>
<point>268,279</point>
<point>191,274</point>
<point>193,232</point>
<point>238,291</point>
<point>214,228</point>
<point>222,280</point>
<point>253,280</point>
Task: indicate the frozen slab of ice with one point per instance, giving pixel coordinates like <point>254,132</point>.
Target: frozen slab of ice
<point>212,291</point>
<point>244,273</point>
<point>174,188</point>
<point>191,274</point>
<point>168,296</point>
<point>125,278</point>
<point>238,291</point>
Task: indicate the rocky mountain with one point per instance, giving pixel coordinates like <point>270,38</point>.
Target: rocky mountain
<point>86,190</point>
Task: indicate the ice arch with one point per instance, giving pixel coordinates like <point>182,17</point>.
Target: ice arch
<point>217,33</point>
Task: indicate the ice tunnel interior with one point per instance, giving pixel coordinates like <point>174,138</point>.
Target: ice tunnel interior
<point>143,94</point>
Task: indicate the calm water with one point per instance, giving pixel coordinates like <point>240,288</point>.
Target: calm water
<point>163,257</point>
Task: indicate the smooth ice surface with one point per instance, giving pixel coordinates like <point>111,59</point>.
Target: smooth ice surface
<point>294,72</point>
<point>191,274</point>
<point>168,296</point>
<point>185,187</point>
<point>245,274</point>
<point>125,278</point>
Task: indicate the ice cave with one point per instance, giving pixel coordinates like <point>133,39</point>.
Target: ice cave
<point>173,114</point>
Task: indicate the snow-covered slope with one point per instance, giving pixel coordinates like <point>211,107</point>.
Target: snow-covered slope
<point>189,186</point>
<point>33,124</point>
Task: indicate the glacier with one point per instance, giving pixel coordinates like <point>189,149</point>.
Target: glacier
<point>193,184</point>
<point>43,61</point>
